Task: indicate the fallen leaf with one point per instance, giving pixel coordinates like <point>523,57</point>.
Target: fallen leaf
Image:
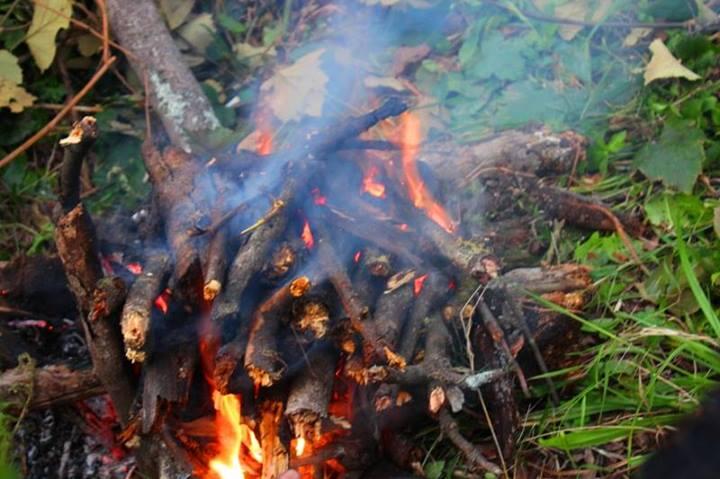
<point>251,55</point>
<point>14,96</point>
<point>635,35</point>
<point>664,65</point>
<point>199,32</point>
<point>176,11</point>
<point>384,82</point>
<point>576,10</point>
<point>9,68</point>
<point>49,16</point>
<point>706,15</point>
<point>89,45</point>
<point>406,56</point>
<point>297,90</point>
<point>676,158</point>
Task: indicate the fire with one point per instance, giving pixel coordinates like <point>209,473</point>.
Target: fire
<point>357,256</point>
<point>418,284</point>
<point>264,139</point>
<point>232,434</point>
<point>370,185</point>
<point>318,198</point>
<point>134,268</point>
<point>161,302</point>
<point>418,193</point>
<point>299,446</point>
<point>307,236</point>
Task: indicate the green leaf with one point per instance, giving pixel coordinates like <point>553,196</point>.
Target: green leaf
<point>230,24</point>
<point>693,282</point>
<point>676,158</point>
<point>49,17</point>
<point>9,68</point>
<point>433,470</point>
<point>500,57</point>
<point>470,44</point>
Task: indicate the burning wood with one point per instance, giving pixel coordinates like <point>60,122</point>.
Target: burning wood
<point>137,312</point>
<point>262,360</point>
<point>307,404</point>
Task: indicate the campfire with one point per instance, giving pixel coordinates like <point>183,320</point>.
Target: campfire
<point>316,297</point>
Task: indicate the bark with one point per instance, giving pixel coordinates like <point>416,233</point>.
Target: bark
<point>48,386</point>
<point>137,312</point>
<point>176,96</point>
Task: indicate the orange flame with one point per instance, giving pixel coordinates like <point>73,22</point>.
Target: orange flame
<point>372,186</point>
<point>418,193</point>
<point>264,141</point>
<point>299,446</point>
<point>232,435</point>
<point>418,284</point>
<point>307,236</point>
<point>161,302</point>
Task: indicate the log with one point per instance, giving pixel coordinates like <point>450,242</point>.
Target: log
<point>307,403</point>
<point>98,299</point>
<point>262,359</point>
<point>137,312</point>
<point>391,311</point>
<point>47,386</point>
<point>539,152</point>
<point>185,111</point>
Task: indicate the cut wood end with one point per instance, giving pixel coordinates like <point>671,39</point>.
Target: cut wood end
<point>135,325</point>
<point>211,289</point>
<point>314,317</point>
<point>135,356</point>
<point>85,129</point>
<point>262,378</point>
<point>298,287</point>
<point>395,360</point>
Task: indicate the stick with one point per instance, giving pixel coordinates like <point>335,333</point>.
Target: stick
<point>451,429</point>
<point>60,115</point>
<point>262,360</point>
<point>137,312</point>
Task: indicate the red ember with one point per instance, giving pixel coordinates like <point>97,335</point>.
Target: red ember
<point>307,236</point>
<point>418,284</point>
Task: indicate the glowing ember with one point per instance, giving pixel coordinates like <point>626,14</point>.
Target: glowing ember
<point>264,144</point>
<point>307,236</point>
<point>404,227</point>
<point>418,284</point>
<point>370,185</point>
<point>418,193</point>
<point>357,256</point>
<point>161,302</point>
<point>318,197</point>
<point>134,268</point>
<point>299,446</point>
<point>232,434</point>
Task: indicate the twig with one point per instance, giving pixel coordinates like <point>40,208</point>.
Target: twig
<point>451,429</point>
<point>59,117</point>
<point>105,30</point>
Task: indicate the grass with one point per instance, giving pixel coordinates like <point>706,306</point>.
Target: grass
<point>7,469</point>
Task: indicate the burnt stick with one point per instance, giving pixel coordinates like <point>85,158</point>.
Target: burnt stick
<point>262,360</point>
<point>77,145</point>
<point>310,391</point>
<point>450,428</point>
<point>390,314</point>
<point>137,312</point>
<point>434,291</point>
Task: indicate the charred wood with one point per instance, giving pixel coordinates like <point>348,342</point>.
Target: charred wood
<point>77,145</point>
<point>137,312</point>
<point>36,284</point>
<point>307,403</point>
<point>275,455</point>
<point>47,386</point>
<point>434,290</point>
<point>390,313</point>
<point>262,359</point>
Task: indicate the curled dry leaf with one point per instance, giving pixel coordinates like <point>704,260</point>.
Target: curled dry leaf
<point>297,90</point>
<point>664,65</point>
<point>14,96</point>
<point>176,11</point>
<point>49,17</point>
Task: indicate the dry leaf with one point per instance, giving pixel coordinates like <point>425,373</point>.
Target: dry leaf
<point>664,65</point>
<point>399,279</point>
<point>576,10</point>
<point>437,399</point>
<point>176,11</point>
<point>9,68</point>
<point>89,45</point>
<point>297,90</point>
<point>199,32</point>
<point>384,82</point>
<point>49,17</point>
<point>635,35</point>
<point>14,96</point>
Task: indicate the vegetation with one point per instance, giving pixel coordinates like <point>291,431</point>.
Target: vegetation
<point>653,331</point>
